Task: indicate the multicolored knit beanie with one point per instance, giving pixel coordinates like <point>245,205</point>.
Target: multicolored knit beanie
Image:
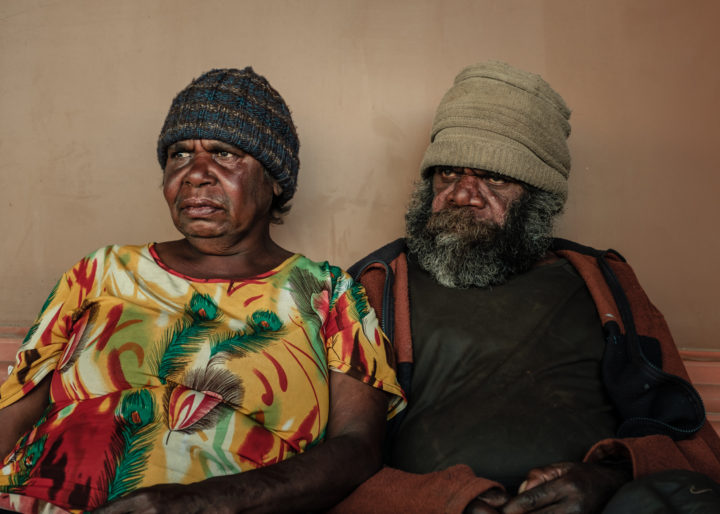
<point>498,118</point>
<point>241,108</point>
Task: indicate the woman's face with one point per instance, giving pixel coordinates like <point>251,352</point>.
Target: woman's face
<point>215,190</point>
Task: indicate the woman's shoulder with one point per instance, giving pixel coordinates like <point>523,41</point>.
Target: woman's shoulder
<point>334,277</point>
<point>322,267</point>
<point>109,256</point>
<point>124,253</point>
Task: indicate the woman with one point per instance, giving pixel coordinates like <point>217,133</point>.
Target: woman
<point>181,376</point>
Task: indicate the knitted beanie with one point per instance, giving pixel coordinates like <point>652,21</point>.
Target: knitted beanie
<point>501,119</point>
<point>241,108</point>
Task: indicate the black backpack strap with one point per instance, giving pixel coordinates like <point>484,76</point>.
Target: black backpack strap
<point>383,256</point>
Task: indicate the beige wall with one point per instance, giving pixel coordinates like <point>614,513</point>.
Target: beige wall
<point>85,85</point>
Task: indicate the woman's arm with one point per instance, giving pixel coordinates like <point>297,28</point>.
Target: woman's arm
<point>19,417</point>
<point>314,480</point>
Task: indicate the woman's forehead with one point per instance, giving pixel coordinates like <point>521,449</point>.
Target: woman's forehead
<point>207,144</point>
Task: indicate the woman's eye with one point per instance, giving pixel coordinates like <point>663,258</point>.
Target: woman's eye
<point>225,155</point>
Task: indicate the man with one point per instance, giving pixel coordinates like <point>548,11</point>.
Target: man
<point>537,364</point>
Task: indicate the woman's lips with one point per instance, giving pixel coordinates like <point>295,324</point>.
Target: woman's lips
<point>199,207</point>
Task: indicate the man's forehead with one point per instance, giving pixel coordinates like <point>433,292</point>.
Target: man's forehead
<point>479,172</point>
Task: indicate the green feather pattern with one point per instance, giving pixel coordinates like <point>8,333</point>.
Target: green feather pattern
<point>360,303</point>
<point>132,442</point>
<point>337,283</point>
<point>31,455</point>
<point>36,325</point>
<point>187,336</point>
<point>262,328</point>
<point>303,288</point>
<point>31,332</point>
<point>25,467</point>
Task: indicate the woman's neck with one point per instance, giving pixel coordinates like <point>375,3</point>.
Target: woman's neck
<point>189,258</point>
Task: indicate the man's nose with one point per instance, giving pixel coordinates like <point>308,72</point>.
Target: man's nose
<point>468,192</point>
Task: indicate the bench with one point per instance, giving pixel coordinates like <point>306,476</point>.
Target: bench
<point>10,339</point>
<point>703,366</point>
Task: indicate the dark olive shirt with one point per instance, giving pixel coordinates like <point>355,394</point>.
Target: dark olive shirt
<point>505,378</point>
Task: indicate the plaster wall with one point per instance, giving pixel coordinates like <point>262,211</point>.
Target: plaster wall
<point>85,86</point>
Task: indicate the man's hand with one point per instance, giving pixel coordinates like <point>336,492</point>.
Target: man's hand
<point>568,487</point>
<point>165,498</point>
<point>488,502</point>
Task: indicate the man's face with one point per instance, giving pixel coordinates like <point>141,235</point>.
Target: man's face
<point>486,195</point>
<point>478,230</point>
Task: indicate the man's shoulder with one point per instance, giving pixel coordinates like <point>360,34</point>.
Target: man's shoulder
<point>566,245</point>
<point>385,254</point>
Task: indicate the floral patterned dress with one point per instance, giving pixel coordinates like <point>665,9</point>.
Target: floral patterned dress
<point>162,378</point>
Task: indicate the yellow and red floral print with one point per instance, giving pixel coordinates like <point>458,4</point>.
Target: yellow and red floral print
<point>159,378</point>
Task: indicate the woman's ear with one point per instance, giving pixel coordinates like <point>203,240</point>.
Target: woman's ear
<point>277,189</point>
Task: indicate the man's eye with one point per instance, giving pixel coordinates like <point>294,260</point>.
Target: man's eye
<point>447,173</point>
<point>180,154</point>
<point>496,181</point>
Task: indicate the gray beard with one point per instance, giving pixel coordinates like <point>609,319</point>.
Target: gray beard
<point>460,251</point>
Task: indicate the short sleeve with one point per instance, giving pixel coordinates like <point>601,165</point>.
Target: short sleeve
<point>49,338</point>
<point>355,343</point>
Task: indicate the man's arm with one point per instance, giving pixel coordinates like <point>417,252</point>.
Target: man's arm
<point>651,453</point>
<point>654,453</point>
<point>632,457</point>
<point>310,481</point>
<point>450,491</point>
<point>19,417</point>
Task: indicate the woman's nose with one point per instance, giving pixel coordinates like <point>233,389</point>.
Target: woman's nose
<point>201,170</point>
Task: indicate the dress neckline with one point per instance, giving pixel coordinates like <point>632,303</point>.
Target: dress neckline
<point>153,253</point>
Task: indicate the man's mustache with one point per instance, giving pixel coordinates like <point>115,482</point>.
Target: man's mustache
<point>461,221</point>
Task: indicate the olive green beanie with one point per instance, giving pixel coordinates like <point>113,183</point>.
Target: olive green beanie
<point>501,119</point>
